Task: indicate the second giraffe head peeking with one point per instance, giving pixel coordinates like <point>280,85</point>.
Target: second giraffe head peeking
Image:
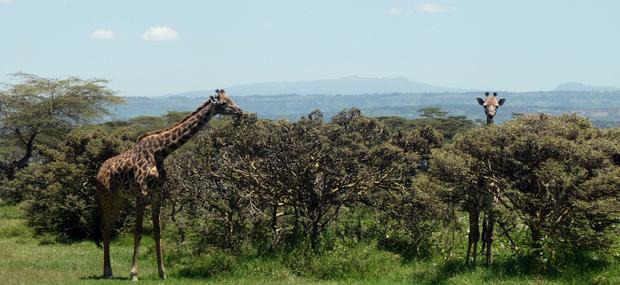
<point>490,104</point>
<point>225,105</point>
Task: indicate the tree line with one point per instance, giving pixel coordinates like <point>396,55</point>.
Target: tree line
<point>268,185</point>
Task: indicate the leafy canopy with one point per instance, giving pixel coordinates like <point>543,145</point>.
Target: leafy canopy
<point>38,109</point>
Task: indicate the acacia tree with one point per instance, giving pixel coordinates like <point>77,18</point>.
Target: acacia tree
<point>214,178</point>
<point>432,112</point>
<point>59,193</point>
<point>282,181</point>
<point>433,117</point>
<point>558,175</point>
<point>38,109</point>
<point>409,205</point>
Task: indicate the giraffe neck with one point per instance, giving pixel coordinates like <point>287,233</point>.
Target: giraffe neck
<point>173,138</point>
<point>489,120</point>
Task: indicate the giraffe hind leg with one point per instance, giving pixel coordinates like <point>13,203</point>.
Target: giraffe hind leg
<point>155,211</point>
<point>133,274</point>
<point>473,236</point>
<point>489,238</point>
<point>110,208</point>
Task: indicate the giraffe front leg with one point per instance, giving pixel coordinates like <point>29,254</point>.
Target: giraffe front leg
<point>490,237</point>
<point>483,236</point>
<point>474,234</point>
<point>155,211</point>
<point>106,235</point>
<point>133,274</point>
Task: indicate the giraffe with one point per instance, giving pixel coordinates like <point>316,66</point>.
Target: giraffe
<point>490,104</point>
<point>139,173</point>
<point>483,201</point>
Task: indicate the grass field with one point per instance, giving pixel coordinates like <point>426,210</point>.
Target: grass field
<point>26,259</point>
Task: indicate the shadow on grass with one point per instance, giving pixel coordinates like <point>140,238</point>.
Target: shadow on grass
<point>99,277</point>
<point>441,273</point>
<point>580,270</point>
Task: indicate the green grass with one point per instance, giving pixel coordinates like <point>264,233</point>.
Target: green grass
<point>26,259</point>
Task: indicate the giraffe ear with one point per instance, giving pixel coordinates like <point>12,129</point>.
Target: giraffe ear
<point>480,101</point>
<point>501,101</point>
<point>212,99</point>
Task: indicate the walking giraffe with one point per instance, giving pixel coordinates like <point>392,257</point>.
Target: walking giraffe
<point>139,173</point>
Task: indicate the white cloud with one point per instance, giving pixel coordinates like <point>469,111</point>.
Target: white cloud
<point>103,34</point>
<point>429,8</point>
<point>395,11</point>
<point>6,2</point>
<point>433,8</point>
<point>161,33</point>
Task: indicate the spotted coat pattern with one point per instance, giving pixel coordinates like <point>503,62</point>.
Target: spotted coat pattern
<point>139,173</point>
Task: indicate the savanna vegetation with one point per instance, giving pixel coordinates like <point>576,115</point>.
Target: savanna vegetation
<point>352,199</point>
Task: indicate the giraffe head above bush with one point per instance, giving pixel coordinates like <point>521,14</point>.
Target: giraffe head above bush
<point>225,105</point>
<point>490,104</point>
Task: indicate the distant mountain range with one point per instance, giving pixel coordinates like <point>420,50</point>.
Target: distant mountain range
<point>355,85</point>
<point>602,107</point>
<point>352,85</point>
<point>576,86</point>
<point>384,97</point>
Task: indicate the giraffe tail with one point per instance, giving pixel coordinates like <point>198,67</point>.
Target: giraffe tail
<point>96,234</point>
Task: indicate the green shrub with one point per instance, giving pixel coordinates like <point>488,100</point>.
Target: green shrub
<point>274,185</point>
<point>357,224</point>
<point>215,263</point>
<point>8,193</point>
<point>14,228</point>
<point>60,194</point>
<point>558,174</point>
<point>344,262</point>
<point>10,212</point>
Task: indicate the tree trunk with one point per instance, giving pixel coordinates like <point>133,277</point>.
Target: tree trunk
<point>296,227</point>
<point>537,244</point>
<point>314,236</point>
<point>274,225</point>
<point>11,169</point>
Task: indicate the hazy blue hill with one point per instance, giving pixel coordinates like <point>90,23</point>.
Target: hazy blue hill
<point>576,86</point>
<point>600,106</point>
<point>352,85</point>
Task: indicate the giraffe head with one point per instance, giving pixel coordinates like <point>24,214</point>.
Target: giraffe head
<point>490,104</point>
<point>225,106</point>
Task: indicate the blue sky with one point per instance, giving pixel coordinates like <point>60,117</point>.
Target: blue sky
<point>149,48</point>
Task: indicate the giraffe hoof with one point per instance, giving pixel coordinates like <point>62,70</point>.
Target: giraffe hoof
<point>134,278</point>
